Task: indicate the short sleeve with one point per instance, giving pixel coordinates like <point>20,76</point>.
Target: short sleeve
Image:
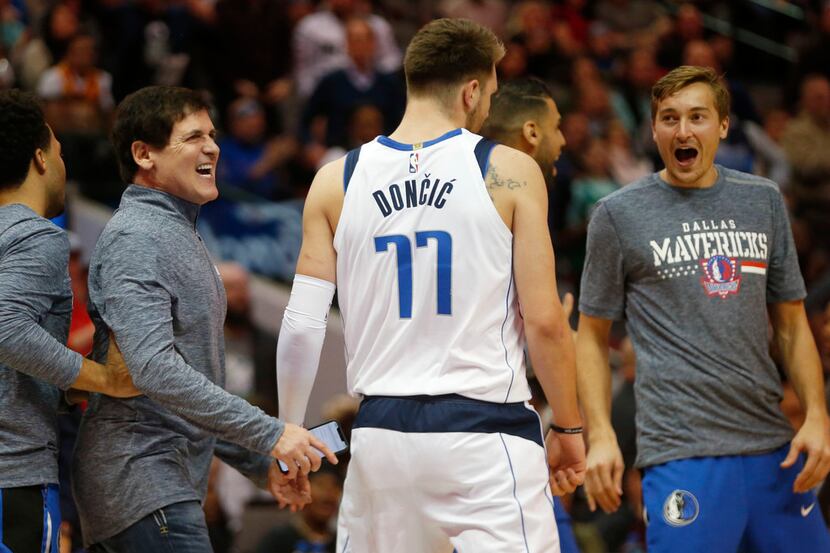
<point>602,291</point>
<point>784,280</point>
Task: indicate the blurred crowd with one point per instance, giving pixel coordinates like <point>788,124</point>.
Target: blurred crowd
<point>297,83</point>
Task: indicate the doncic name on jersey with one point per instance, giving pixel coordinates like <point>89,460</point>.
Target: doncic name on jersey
<point>413,193</point>
<point>718,249</point>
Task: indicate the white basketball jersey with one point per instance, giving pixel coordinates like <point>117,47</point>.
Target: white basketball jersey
<point>425,275</point>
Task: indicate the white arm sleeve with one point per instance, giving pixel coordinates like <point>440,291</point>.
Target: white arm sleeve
<point>300,343</point>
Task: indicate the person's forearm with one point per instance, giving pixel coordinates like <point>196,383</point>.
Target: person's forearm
<point>553,357</point>
<point>30,349</point>
<point>168,380</point>
<point>253,466</point>
<point>803,366</point>
<point>594,386</point>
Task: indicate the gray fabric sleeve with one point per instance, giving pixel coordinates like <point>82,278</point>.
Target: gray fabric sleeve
<point>784,280</point>
<point>138,309</point>
<point>253,465</point>
<point>602,291</point>
<point>33,272</point>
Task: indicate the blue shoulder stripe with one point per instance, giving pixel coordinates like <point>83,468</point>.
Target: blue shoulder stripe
<point>348,169</point>
<point>482,151</point>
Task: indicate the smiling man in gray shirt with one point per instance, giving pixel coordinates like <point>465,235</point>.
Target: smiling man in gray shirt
<point>35,307</point>
<point>142,464</point>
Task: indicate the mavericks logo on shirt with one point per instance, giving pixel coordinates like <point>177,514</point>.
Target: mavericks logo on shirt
<point>718,249</point>
<point>681,508</point>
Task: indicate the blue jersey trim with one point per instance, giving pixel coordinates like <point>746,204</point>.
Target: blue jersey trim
<point>386,141</point>
<point>482,153</point>
<point>513,474</point>
<point>448,413</point>
<point>348,168</point>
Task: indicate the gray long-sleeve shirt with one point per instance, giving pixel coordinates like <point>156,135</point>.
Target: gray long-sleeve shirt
<point>35,308</point>
<point>152,282</point>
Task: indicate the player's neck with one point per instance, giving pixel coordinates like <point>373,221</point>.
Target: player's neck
<point>424,120</point>
<point>25,194</point>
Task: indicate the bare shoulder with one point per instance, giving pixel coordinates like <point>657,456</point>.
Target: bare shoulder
<point>510,170</point>
<point>330,175</point>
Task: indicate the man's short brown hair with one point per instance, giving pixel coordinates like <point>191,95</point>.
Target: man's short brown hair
<point>686,75</point>
<point>447,52</point>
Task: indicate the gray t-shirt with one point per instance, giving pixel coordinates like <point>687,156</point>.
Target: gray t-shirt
<point>153,283</point>
<point>35,309</point>
<point>692,272</point>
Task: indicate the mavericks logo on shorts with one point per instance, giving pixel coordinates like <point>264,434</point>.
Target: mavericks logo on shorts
<point>681,508</point>
<point>720,277</point>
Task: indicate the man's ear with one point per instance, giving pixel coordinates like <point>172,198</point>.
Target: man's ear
<point>471,94</point>
<point>724,128</point>
<point>141,155</point>
<point>531,133</point>
<point>39,160</point>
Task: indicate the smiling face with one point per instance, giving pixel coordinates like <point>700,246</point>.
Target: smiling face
<point>687,130</point>
<point>186,166</point>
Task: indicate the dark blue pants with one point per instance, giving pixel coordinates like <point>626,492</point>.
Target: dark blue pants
<point>177,528</point>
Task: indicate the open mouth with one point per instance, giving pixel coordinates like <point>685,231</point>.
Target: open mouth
<point>205,169</point>
<point>685,155</point>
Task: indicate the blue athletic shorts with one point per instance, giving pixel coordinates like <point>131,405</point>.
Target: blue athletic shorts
<point>30,519</point>
<point>739,503</point>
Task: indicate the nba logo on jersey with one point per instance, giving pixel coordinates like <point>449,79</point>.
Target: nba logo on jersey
<point>413,162</point>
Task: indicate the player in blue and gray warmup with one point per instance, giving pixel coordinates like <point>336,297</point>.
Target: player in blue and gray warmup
<point>524,116</point>
<point>697,258</point>
<point>35,308</point>
<point>141,465</point>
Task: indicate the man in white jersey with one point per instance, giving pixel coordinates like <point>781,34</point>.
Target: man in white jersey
<point>434,237</point>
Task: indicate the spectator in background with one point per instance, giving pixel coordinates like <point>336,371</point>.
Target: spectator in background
<point>534,27</point>
<point>78,94</point>
<point>572,13</point>
<point>807,143</point>
<point>815,57</point>
<point>254,52</point>
<point>632,98</point>
<point>624,165</point>
<point>250,160</point>
<point>514,63</point>
<point>687,26</point>
<point>365,123</point>
<point>320,44</point>
<point>59,25</point>
<point>361,81</point>
<point>490,13</point>
<point>632,22</point>
<point>310,531</point>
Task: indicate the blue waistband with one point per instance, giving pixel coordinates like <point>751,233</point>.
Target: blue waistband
<point>448,413</point>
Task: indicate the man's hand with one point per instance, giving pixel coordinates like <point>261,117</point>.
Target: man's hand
<point>119,382</point>
<point>566,461</point>
<point>813,439</point>
<point>295,493</point>
<point>296,448</point>
<point>603,482</point>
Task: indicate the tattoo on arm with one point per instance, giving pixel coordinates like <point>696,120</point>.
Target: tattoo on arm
<point>494,180</point>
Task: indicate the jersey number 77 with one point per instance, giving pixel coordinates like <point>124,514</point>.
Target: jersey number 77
<point>403,250</point>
